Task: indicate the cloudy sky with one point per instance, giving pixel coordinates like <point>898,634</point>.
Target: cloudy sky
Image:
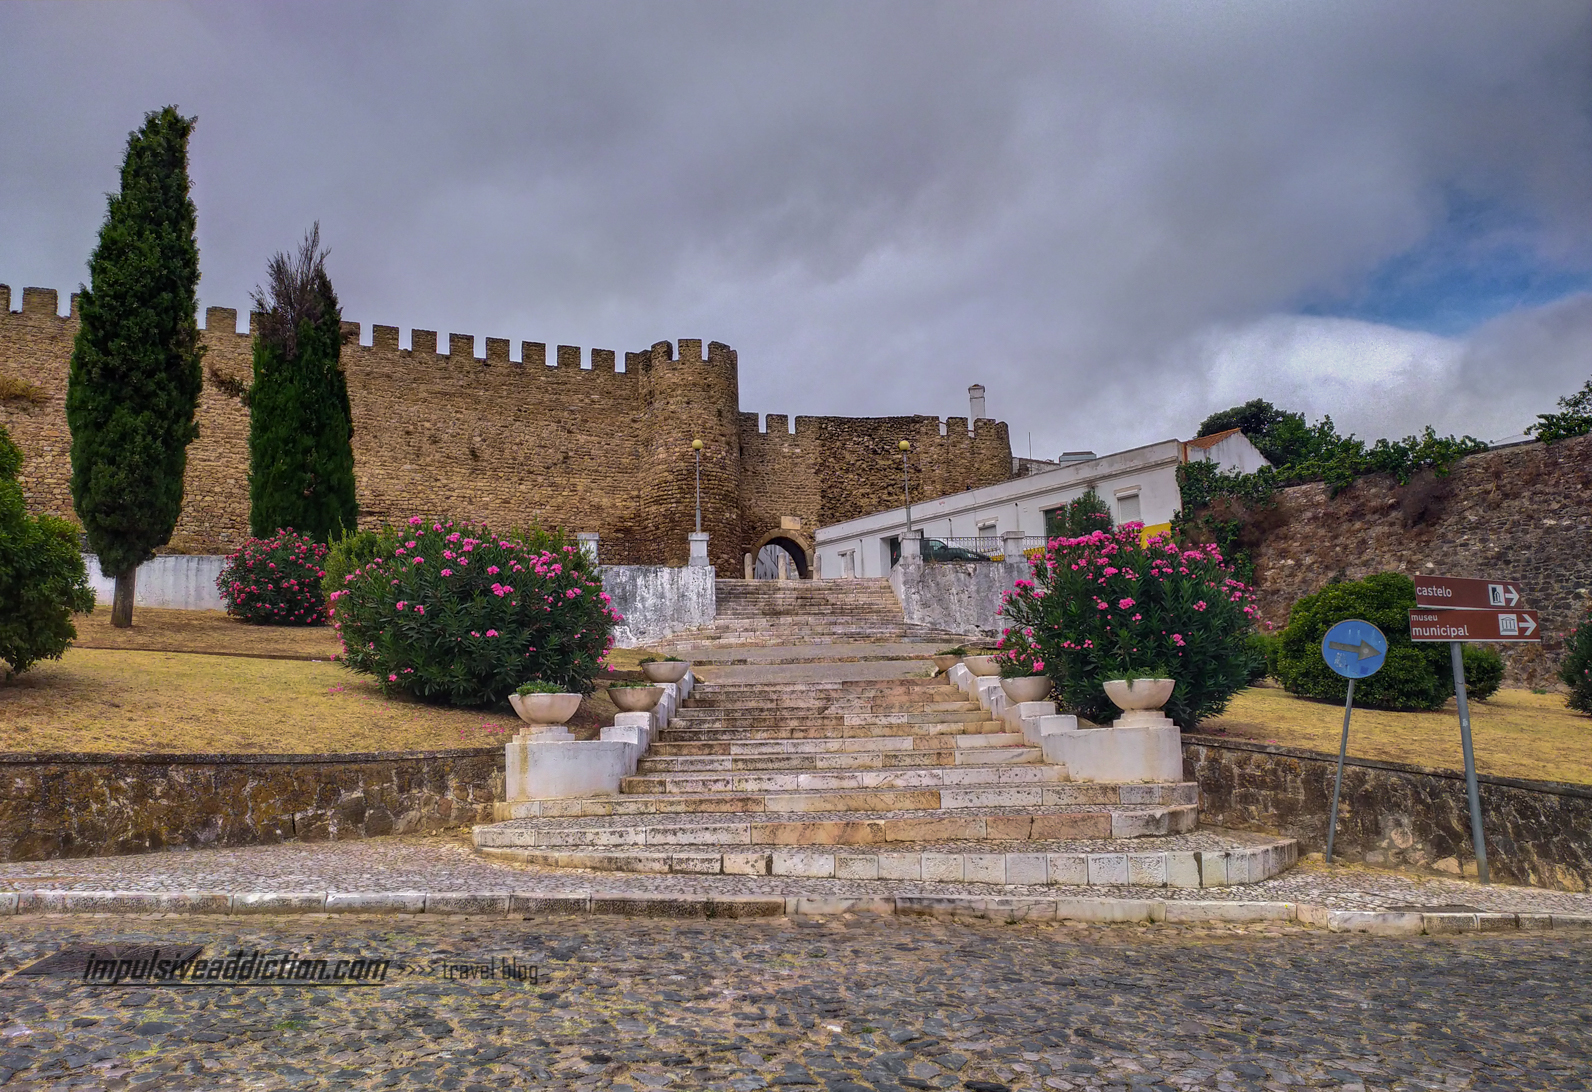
<point>1117,216</point>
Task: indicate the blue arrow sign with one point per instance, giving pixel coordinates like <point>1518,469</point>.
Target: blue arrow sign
<point>1354,649</point>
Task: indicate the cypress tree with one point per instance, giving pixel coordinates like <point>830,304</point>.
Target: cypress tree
<point>134,380</point>
<point>301,455</point>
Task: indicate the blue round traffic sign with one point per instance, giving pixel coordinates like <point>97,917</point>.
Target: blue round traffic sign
<point>1354,649</point>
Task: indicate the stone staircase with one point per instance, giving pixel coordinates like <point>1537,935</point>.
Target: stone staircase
<point>817,744</point>
<point>806,612</point>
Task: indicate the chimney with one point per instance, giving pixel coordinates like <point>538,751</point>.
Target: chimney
<point>975,399</point>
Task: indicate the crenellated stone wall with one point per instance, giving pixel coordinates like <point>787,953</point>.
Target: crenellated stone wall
<point>563,438</point>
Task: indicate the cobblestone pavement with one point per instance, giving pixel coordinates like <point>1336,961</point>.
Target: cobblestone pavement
<point>840,1004</point>
<point>447,863</point>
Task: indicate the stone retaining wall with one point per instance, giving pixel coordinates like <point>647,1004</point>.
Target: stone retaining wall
<point>958,597</point>
<point>96,805</point>
<point>1391,814</point>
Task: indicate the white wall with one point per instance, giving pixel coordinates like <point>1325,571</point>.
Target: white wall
<point>182,581</point>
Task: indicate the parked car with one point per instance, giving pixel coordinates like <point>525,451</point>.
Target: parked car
<point>935,550</point>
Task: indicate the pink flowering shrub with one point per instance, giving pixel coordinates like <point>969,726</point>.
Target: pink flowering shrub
<point>275,581</point>
<point>1106,607</point>
<point>451,612</point>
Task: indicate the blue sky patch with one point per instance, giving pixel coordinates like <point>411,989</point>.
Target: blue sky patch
<point>1479,263</point>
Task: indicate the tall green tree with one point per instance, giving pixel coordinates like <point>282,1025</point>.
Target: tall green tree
<point>42,578</point>
<point>135,377</point>
<point>301,454</point>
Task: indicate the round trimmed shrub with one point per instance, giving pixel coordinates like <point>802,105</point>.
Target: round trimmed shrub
<point>42,577</point>
<point>275,581</point>
<point>1106,606</point>
<point>1576,670</point>
<point>1484,672</point>
<point>457,614</point>
<point>1413,677</point>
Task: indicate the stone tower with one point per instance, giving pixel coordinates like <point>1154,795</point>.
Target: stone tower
<point>691,398</point>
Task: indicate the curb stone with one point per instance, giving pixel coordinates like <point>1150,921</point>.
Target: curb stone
<point>998,908</point>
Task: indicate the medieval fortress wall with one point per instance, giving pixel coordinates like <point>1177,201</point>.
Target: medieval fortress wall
<point>564,438</point>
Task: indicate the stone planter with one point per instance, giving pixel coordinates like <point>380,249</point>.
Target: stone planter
<point>942,664</point>
<point>1139,695</point>
<point>1027,688</point>
<point>983,666</point>
<point>635,699</point>
<point>665,670</point>
<point>545,710</point>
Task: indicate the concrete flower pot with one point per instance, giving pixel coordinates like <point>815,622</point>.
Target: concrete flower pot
<point>981,665</point>
<point>543,709</point>
<point>942,664</point>
<point>665,670</point>
<point>1139,694</point>
<point>635,699</point>
<point>1027,688</point>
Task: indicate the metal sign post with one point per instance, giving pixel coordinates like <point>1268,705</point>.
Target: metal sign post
<point>1355,650</point>
<point>1472,790</point>
<point>1461,610</point>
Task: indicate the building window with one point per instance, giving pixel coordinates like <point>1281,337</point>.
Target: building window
<point>1128,510</point>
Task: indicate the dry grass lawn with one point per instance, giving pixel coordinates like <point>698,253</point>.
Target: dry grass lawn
<point>1516,733</point>
<point>111,700</point>
<point>157,629</point>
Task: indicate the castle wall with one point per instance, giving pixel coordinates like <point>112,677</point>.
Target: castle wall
<point>1519,513</point>
<point>560,438</point>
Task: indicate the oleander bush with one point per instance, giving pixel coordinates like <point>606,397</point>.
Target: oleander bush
<point>456,614</point>
<point>42,576</point>
<point>275,581</point>
<point>353,550</point>
<point>1413,676</point>
<point>1106,606</point>
<point>1576,670</point>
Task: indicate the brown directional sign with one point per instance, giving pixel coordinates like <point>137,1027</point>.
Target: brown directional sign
<point>1463,593</point>
<point>1474,625</point>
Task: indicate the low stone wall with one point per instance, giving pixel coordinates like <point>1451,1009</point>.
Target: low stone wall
<point>657,600</point>
<point>181,581</point>
<point>1538,832</point>
<point>96,805</point>
<point>961,597</point>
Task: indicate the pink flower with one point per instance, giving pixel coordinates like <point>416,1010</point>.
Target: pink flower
<point>392,678</point>
<point>1177,639</point>
<point>1200,605</point>
<point>447,572</point>
<point>491,633</point>
<point>1124,604</point>
<point>491,570</point>
<point>419,609</point>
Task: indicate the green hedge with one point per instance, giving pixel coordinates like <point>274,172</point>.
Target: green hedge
<point>1413,676</point>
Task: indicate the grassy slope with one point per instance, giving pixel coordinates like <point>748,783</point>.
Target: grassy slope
<point>1516,734</point>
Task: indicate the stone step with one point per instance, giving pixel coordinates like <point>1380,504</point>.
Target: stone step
<point>802,705</point>
<point>1042,864</point>
<point>685,719</point>
<point>1099,823</point>
<point>1177,861</point>
<point>774,781</point>
<point>828,688</point>
<point>841,760</point>
<point>1055,794</point>
<point>931,744</point>
<point>783,730</point>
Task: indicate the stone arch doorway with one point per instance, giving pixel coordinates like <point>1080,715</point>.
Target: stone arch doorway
<point>766,556</point>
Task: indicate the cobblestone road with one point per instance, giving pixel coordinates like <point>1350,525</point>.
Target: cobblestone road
<point>840,1005</point>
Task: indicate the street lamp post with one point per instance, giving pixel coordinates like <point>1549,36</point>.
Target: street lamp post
<point>906,483</point>
<point>696,446</point>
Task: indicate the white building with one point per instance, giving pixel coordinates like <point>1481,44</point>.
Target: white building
<point>1139,485</point>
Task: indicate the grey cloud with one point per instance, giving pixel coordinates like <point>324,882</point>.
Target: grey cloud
<point>1096,210</point>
